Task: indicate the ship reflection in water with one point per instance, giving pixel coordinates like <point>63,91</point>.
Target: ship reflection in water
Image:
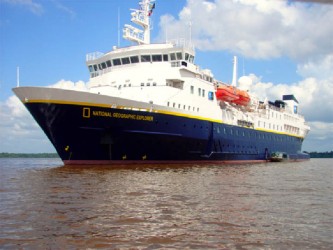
<point>273,205</point>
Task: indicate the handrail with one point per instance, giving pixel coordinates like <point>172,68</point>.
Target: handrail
<point>93,56</point>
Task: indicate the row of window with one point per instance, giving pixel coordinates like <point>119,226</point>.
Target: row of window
<point>270,126</point>
<point>148,84</point>
<point>291,129</point>
<point>256,135</point>
<point>290,118</point>
<point>277,115</point>
<point>286,117</point>
<point>184,107</point>
<point>202,93</point>
<point>143,58</point>
<point>250,134</point>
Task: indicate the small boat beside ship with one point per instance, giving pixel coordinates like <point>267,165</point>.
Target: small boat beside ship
<point>151,103</point>
<point>279,157</point>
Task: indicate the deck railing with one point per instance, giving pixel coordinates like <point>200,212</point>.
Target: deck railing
<point>93,56</point>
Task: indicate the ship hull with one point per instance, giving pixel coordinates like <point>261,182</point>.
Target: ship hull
<point>92,133</point>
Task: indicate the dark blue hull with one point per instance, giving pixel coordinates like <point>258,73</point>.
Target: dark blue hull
<point>96,135</point>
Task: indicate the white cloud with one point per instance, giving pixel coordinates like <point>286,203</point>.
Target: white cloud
<point>32,6</point>
<point>316,104</point>
<point>320,138</point>
<point>321,68</point>
<point>257,29</point>
<point>63,84</point>
<point>38,9</point>
<point>64,8</point>
<point>19,132</point>
<point>314,95</point>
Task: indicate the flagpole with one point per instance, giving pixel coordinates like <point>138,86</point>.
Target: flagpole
<point>18,77</point>
<point>118,27</point>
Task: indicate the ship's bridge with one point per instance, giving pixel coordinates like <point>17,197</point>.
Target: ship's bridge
<point>176,52</point>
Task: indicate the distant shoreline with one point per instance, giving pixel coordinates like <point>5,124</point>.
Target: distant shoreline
<point>320,154</point>
<point>55,155</point>
<point>29,155</point>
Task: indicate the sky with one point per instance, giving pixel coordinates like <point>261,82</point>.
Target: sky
<point>285,47</point>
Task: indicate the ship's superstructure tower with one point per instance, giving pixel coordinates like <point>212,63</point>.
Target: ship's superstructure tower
<point>140,17</point>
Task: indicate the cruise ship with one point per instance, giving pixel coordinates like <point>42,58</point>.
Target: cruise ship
<point>151,103</point>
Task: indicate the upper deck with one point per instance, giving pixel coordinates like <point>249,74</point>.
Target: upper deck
<point>177,52</point>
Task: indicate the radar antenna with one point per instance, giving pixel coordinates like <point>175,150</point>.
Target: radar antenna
<point>141,17</point>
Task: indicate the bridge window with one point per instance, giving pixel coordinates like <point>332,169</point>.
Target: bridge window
<point>125,60</point>
<point>116,62</point>
<point>173,56</point>
<point>103,65</point>
<point>145,58</point>
<point>157,58</point>
<point>191,59</point>
<point>179,56</point>
<point>108,63</point>
<point>165,58</point>
<point>134,59</point>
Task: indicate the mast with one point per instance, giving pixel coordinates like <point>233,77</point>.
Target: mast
<point>140,17</point>
<point>234,73</point>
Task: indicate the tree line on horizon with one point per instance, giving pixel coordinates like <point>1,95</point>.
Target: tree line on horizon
<point>320,154</point>
<point>29,155</point>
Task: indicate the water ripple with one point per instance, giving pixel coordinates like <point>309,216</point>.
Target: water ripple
<point>267,206</point>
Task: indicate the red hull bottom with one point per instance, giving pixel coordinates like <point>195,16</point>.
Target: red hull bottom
<point>125,162</point>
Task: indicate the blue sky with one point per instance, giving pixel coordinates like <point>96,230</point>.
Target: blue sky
<point>286,47</point>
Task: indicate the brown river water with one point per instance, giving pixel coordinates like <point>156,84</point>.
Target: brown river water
<point>44,205</point>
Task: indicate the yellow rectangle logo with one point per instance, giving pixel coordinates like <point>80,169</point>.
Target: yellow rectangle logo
<point>86,113</point>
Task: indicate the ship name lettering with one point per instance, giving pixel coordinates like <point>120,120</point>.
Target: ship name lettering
<point>101,113</point>
<point>145,118</point>
<point>124,116</point>
<point>133,117</point>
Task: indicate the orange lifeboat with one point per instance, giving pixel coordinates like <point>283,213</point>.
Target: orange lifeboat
<point>243,98</point>
<point>226,93</point>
